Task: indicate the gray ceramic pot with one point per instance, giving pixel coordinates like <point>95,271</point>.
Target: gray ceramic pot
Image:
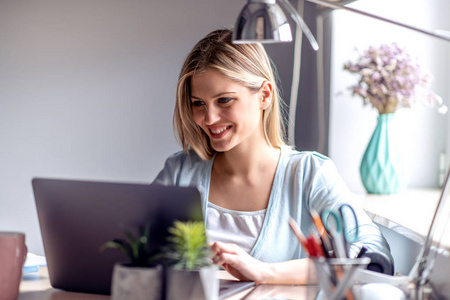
<point>192,285</point>
<point>137,283</point>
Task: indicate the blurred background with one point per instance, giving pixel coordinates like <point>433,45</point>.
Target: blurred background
<point>87,89</point>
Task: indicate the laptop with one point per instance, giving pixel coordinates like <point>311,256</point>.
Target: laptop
<point>77,217</point>
<point>228,287</point>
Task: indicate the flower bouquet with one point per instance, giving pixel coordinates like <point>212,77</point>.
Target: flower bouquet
<point>390,78</point>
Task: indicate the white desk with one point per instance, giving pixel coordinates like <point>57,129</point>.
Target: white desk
<point>36,286</point>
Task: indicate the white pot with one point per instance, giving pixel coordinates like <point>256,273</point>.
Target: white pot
<point>192,285</point>
<point>136,283</point>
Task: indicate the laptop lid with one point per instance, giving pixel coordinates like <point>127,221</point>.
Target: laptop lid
<point>77,217</point>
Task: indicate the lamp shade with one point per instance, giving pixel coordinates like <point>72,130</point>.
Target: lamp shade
<point>262,21</point>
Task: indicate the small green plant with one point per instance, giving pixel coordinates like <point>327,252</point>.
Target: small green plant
<point>188,248</point>
<point>136,248</point>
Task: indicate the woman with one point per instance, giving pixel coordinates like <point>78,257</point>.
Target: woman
<point>228,120</point>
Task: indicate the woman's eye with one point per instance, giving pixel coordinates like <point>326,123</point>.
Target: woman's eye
<point>225,100</point>
<point>198,103</point>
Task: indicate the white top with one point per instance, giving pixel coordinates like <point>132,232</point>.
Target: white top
<point>231,226</point>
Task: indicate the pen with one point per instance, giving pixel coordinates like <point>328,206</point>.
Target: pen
<point>300,236</point>
<point>322,232</point>
<point>318,245</point>
<point>362,252</point>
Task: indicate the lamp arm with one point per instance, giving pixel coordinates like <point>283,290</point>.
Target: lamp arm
<point>295,79</point>
<point>333,5</point>
<point>294,14</point>
<point>423,267</point>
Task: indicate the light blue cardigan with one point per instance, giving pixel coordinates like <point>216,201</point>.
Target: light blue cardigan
<point>303,181</point>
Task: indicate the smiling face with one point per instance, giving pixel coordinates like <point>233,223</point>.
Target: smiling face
<point>227,111</point>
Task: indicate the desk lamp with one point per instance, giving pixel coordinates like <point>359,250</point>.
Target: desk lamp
<point>263,21</point>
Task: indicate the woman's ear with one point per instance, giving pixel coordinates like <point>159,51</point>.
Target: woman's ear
<point>266,93</point>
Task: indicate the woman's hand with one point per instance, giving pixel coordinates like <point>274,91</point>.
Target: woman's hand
<point>244,267</point>
<point>239,263</point>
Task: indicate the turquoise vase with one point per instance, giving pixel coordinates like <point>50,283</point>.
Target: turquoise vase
<point>381,169</point>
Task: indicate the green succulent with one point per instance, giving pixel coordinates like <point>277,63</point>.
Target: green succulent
<point>188,248</point>
<point>136,248</point>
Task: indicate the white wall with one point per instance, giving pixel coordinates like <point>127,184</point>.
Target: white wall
<point>424,131</point>
<point>87,91</point>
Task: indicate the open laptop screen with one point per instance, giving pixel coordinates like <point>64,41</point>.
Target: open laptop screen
<point>77,217</point>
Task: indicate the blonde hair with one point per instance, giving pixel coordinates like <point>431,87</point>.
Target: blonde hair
<point>247,64</point>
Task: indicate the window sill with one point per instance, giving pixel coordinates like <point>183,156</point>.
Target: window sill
<point>409,212</point>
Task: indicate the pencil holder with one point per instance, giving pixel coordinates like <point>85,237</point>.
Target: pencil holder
<point>337,276</point>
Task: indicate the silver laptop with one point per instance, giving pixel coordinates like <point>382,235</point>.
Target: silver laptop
<point>77,217</point>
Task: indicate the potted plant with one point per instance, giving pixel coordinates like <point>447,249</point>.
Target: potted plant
<point>141,277</point>
<point>191,274</point>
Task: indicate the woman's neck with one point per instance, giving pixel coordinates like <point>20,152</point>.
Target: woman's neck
<point>247,161</point>
<point>242,179</point>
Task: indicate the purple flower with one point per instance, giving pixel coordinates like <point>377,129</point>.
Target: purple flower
<point>390,78</point>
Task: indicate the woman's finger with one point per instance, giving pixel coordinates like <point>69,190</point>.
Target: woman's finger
<point>219,247</point>
<point>228,258</point>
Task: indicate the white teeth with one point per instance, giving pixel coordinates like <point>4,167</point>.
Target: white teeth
<point>218,131</point>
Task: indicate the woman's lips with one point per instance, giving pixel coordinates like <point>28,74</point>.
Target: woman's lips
<point>219,132</point>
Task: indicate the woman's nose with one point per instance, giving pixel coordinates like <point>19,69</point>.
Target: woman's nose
<point>211,115</point>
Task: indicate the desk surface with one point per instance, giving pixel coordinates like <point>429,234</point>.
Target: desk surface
<point>37,286</point>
